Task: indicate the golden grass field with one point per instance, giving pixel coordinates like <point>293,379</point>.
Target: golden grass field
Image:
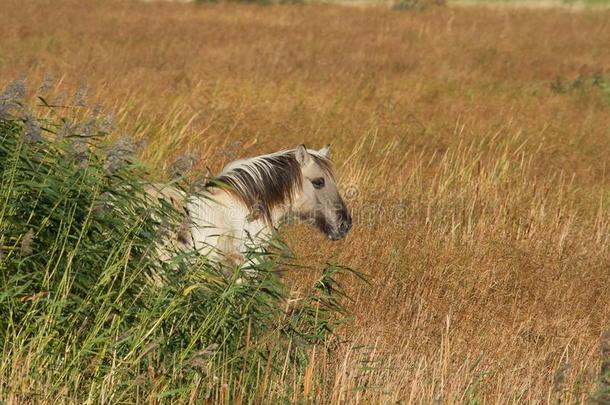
<point>472,145</point>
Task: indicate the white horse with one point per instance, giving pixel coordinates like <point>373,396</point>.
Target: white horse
<point>242,208</point>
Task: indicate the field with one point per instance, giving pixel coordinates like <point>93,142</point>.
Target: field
<point>470,143</point>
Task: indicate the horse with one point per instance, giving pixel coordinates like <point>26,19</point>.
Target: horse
<point>241,209</point>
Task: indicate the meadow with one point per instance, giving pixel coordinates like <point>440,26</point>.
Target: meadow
<point>470,143</point>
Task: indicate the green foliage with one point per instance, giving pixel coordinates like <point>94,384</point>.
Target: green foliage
<point>402,5</point>
<point>87,306</point>
<point>584,83</point>
<point>602,394</point>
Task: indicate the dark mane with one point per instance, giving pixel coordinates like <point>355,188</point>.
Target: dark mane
<point>266,182</point>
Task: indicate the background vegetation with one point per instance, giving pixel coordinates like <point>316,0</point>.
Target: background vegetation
<point>471,144</point>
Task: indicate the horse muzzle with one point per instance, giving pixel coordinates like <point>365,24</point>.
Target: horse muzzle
<point>342,230</point>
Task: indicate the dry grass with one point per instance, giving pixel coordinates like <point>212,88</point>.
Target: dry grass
<point>476,162</point>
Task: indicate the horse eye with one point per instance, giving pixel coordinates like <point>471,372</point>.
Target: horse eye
<point>318,183</point>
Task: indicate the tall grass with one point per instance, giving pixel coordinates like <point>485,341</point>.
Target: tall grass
<point>90,314</point>
<point>473,143</point>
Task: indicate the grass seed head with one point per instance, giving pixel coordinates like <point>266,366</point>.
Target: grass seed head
<point>32,132</point>
<point>119,154</point>
<point>27,243</point>
<point>80,97</point>
<point>46,84</point>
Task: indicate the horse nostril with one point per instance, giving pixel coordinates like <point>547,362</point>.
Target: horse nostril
<point>345,226</point>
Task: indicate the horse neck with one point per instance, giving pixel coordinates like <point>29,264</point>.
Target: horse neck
<point>230,205</point>
<point>279,214</point>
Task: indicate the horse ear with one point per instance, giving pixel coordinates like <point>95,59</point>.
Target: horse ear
<point>325,151</point>
<point>302,155</point>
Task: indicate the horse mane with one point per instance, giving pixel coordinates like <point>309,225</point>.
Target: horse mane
<point>265,182</point>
